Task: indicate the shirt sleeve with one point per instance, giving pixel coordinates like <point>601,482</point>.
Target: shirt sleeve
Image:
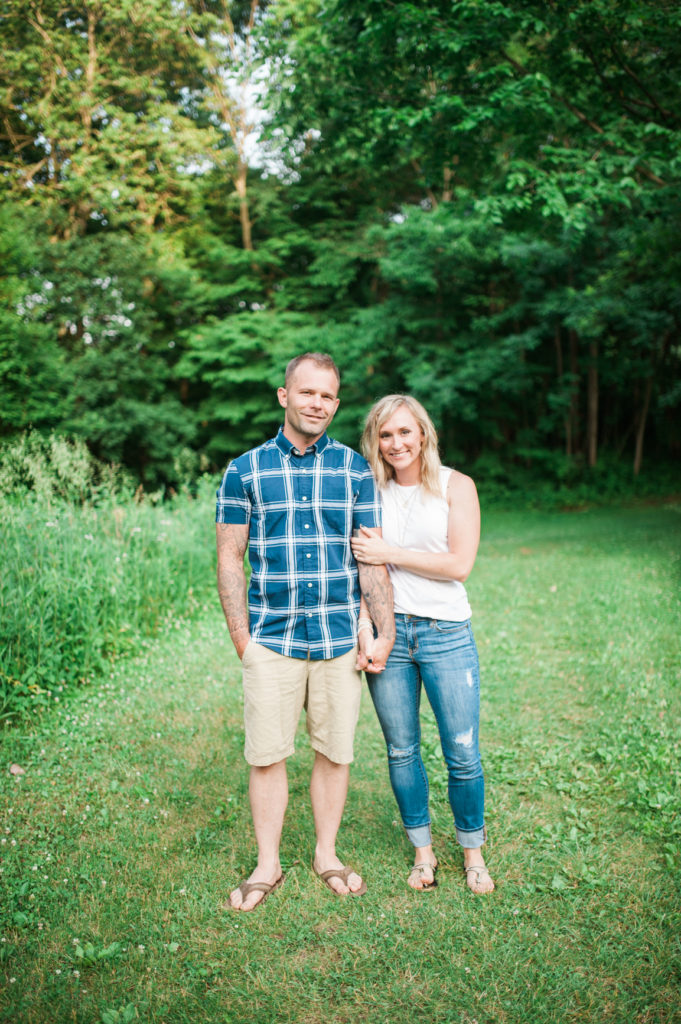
<point>233,504</point>
<point>367,510</point>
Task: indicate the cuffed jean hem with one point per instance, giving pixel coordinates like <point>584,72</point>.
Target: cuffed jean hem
<point>471,840</point>
<point>419,836</point>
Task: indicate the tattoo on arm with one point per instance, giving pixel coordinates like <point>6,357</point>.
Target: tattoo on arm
<point>377,591</point>
<point>232,541</point>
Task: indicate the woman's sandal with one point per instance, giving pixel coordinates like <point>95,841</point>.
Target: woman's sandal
<point>480,870</point>
<point>420,870</point>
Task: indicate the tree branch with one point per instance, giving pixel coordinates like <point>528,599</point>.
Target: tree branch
<point>585,119</point>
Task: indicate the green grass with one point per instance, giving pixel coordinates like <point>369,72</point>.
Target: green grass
<point>80,584</point>
<point>131,822</point>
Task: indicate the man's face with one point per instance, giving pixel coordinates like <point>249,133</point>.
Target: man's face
<point>310,401</point>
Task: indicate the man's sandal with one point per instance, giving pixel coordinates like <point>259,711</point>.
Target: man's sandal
<point>343,874</point>
<point>419,870</point>
<point>481,871</point>
<point>246,888</point>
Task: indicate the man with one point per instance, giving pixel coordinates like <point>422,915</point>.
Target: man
<point>295,501</point>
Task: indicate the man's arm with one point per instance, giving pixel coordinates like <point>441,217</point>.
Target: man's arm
<point>377,592</point>
<point>232,542</point>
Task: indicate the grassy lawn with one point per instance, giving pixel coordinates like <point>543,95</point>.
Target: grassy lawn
<point>130,823</point>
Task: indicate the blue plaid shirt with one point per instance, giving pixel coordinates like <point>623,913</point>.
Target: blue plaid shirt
<point>303,597</point>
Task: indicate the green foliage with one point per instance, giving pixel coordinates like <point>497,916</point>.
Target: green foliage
<point>45,469</point>
<point>473,201</point>
<point>33,377</point>
<point>83,582</point>
<point>520,169</point>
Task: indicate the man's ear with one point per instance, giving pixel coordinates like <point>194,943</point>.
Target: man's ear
<point>281,395</point>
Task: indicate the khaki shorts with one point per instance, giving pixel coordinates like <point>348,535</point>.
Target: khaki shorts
<point>277,688</point>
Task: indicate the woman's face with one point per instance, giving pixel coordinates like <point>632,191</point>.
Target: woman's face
<point>400,440</point>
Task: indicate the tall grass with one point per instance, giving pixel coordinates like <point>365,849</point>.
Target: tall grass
<point>83,580</point>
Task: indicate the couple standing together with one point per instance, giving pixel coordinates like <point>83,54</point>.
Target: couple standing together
<point>319,609</point>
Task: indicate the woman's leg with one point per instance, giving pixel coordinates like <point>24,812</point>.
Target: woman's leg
<point>396,694</point>
<point>448,661</point>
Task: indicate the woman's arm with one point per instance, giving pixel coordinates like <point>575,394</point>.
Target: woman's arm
<point>463,538</point>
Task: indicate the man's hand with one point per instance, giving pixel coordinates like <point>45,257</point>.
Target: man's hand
<point>365,648</point>
<point>241,642</point>
<point>373,652</point>
<point>382,647</point>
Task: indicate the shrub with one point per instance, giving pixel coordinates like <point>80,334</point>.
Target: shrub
<point>84,580</point>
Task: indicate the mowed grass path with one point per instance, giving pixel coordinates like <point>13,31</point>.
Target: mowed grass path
<point>131,823</point>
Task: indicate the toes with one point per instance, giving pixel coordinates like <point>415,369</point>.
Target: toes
<point>339,886</point>
<point>235,900</point>
<point>252,900</point>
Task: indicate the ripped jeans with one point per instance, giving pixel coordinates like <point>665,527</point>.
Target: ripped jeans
<point>442,655</point>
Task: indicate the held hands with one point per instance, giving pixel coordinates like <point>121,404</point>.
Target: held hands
<point>373,652</point>
<point>369,548</point>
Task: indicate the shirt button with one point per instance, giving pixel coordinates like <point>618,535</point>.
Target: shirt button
<point>309,584</point>
<point>304,499</point>
<point>308,556</point>
<point>307,526</point>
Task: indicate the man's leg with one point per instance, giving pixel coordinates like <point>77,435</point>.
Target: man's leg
<point>274,691</point>
<point>268,792</point>
<point>328,790</point>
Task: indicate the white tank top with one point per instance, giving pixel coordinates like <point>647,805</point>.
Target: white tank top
<point>413,518</point>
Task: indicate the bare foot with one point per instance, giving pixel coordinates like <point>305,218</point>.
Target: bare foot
<point>477,876</point>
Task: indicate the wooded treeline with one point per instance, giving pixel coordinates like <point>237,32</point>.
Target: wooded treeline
<point>474,201</point>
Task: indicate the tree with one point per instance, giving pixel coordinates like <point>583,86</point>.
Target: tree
<point>557,124</point>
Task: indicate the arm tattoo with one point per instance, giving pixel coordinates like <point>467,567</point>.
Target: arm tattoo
<point>377,591</point>
<point>232,541</point>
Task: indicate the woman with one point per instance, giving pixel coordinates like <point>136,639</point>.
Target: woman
<point>431,531</point>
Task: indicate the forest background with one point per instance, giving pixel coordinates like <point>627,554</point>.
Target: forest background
<point>477,202</point>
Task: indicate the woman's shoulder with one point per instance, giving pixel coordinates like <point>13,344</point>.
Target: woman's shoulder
<point>456,484</point>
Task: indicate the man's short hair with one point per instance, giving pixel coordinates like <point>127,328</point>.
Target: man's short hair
<point>320,359</point>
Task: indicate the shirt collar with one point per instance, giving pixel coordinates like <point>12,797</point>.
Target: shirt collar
<point>289,449</point>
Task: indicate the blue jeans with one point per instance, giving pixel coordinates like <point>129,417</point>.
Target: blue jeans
<point>442,655</point>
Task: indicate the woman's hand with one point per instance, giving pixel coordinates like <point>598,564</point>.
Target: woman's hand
<point>369,547</point>
<point>372,652</point>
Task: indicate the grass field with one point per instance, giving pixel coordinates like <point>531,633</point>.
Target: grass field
<point>130,823</point>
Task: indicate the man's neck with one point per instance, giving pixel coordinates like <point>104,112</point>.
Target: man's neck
<point>300,441</point>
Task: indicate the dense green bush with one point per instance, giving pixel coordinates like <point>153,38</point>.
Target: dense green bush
<point>84,580</point>
<point>549,480</point>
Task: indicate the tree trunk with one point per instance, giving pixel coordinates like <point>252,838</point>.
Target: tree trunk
<point>560,371</point>
<point>641,426</point>
<point>244,214</point>
<point>592,405</point>
<point>573,415</point>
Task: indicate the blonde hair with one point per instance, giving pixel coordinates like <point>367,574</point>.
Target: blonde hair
<point>379,413</point>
